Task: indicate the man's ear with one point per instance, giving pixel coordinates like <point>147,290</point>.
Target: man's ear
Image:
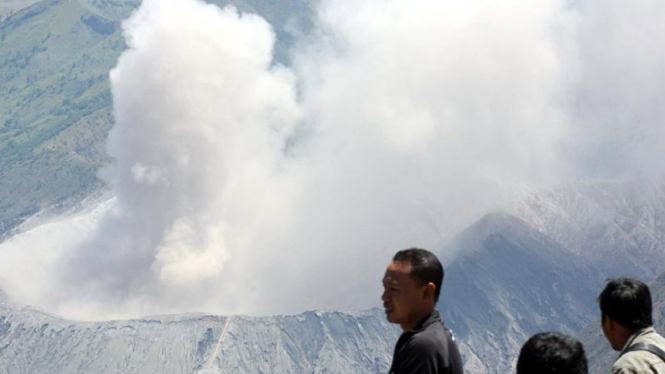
<point>430,289</point>
<point>609,323</point>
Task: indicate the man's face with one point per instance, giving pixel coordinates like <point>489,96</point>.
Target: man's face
<point>402,297</point>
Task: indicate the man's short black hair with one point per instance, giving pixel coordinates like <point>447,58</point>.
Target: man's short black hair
<point>552,353</point>
<point>628,302</point>
<point>425,267</point>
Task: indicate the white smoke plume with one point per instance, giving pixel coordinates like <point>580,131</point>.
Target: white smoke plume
<point>202,119</point>
<point>242,186</point>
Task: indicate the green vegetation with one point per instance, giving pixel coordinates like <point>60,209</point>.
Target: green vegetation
<point>55,108</point>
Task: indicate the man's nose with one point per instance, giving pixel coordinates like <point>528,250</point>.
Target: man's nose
<point>384,296</point>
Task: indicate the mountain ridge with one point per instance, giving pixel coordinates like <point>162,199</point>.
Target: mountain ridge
<point>624,218</point>
<point>304,343</point>
<point>508,282</point>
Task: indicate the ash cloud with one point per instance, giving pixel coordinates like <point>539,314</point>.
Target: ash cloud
<point>244,186</point>
<point>620,125</point>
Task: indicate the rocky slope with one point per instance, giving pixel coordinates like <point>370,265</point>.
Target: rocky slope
<point>34,342</point>
<point>508,282</point>
<point>618,226</point>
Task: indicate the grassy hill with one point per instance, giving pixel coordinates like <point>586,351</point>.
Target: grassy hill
<point>55,108</point>
<point>55,101</point>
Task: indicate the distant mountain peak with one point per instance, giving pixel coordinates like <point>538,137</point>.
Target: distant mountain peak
<point>507,273</point>
<point>498,223</point>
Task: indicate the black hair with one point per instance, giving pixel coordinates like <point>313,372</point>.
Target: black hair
<point>425,267</point>
<point>552,353</point>
<point>628,302</point>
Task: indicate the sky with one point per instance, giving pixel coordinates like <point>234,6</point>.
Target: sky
<point>244,186</point>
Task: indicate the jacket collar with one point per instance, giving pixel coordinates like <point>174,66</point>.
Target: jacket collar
<point>638,334</point>
<point>431,318</point>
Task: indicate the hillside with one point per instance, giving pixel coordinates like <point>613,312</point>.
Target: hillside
<point>508,282</point>
<point>54,106</point>
<point>333,342</point>
<point>614,225</point>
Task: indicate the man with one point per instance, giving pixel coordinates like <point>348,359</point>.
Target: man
<point>552,353</point>
<point>412,284</point>
<point>625,307</point>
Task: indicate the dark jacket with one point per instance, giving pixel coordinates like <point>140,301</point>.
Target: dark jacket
<point>427,349</point>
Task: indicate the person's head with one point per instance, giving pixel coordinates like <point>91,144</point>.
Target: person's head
<point>412,284</point>
<point>625,307</point>
<point>552,353</point>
